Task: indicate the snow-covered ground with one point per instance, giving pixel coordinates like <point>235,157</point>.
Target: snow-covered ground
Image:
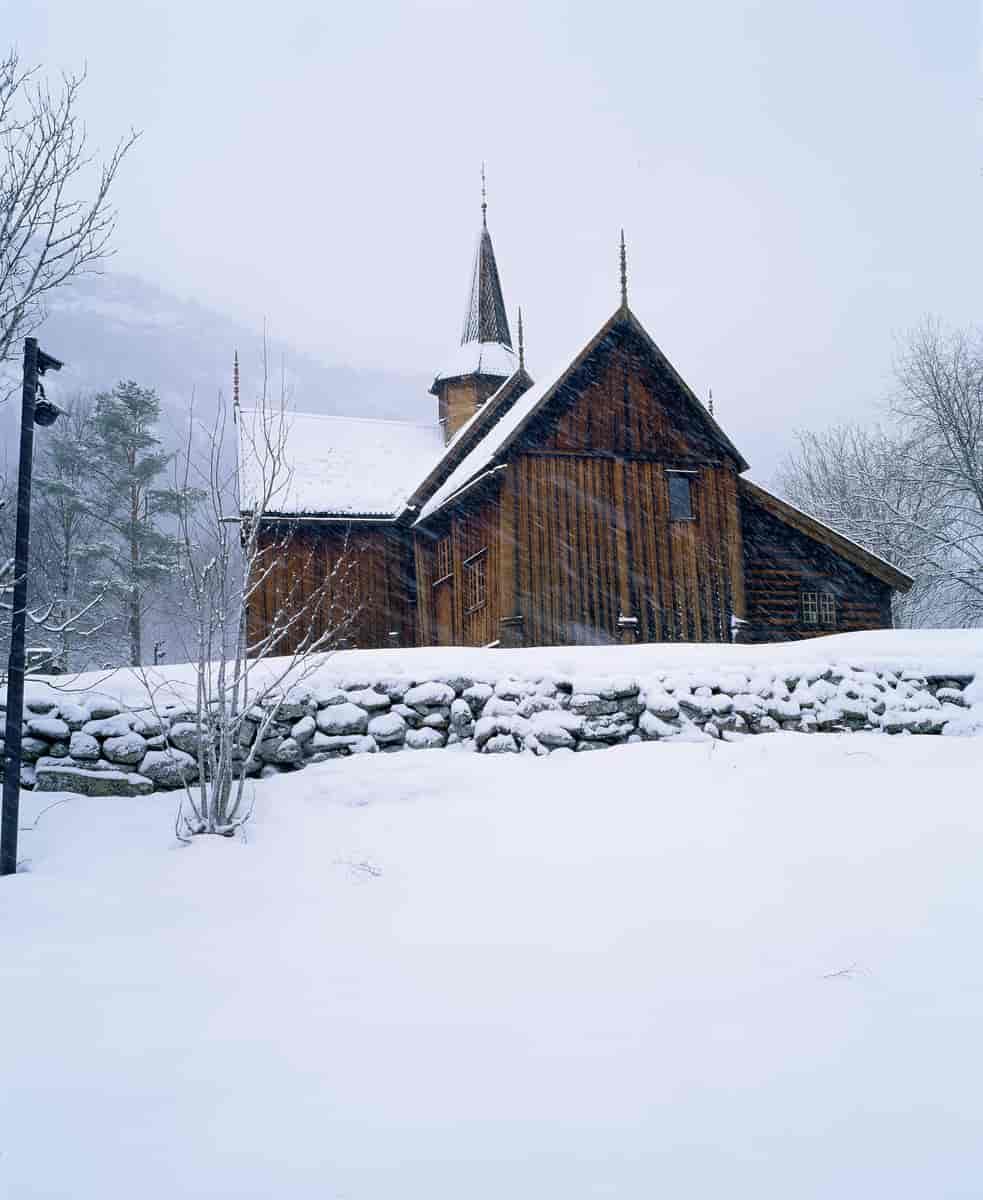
<point>742,970</point>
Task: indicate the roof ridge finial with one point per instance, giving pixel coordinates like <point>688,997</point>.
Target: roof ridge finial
<point>624,274</point>
<point>522,344</point>
<point>484,199</point>
<point>235,388</point>
<point>710,400</point>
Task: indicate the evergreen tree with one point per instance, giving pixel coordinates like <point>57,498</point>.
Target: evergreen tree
<point>128,460</point>
<point>69,542</point>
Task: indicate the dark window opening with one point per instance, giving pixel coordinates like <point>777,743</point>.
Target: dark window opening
<point>680,497</point>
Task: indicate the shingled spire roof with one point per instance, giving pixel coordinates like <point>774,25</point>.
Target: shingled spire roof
<point>485,319</point>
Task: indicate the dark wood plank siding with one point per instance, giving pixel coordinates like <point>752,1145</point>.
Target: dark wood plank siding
<point>473,529</point>
<point>595,542</point>
<point>365,569</point>
<point>781,563</point>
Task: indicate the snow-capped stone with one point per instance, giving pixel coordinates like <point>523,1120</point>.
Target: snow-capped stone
<point>343,718</point>
<point>512,689</point>
<point>424,739</point>
<point>487,727</point>
<point>48,727</point>
<point>100,708</point>
<point>590,704</point>
<point>556,728</point>
<point>477,694</point>
<point>662,705</point>
<point>41,705</point>
<point>951,695</point>
<point>388,729</point>
<point>605,728</point>
<point>103,727</point>
<point>461,714</point>
<point>435,720</point>
<point>364,745</point>
<point>334,743</point>
<point>429,695</point>
<point>653,727</point>
<point>371,700</point>
<point>170,768</point>
<point>185,735</point>
<point>128,749</point>
<point>32,748</point>
<point>454,679</point>
<point>696,707</point>
<point>74,715</point>
<point>500,743</point>
<point>289,751</point>
<point>499,706</point>
<point>303,730</point>
<point>325,697</point>
<point>59,777</point>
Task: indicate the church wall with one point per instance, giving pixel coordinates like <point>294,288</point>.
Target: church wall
<point>783,566</point>
<point>590,513</point>
<point>355,578</point>
<point>595,543</point>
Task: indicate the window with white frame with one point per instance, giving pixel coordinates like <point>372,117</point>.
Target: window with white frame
<point>819,608</point>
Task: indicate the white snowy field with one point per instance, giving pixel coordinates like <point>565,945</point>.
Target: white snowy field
<point>686,970</point>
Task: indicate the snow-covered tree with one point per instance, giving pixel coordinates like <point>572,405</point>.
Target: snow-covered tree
<point>127,463</point>
<point>69,540</point>
<point>56,221</point>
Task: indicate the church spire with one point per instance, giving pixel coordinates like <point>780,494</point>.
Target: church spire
<point>485,319</point>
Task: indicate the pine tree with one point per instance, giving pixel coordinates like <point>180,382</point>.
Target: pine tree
<point>128,460</point>
<point>69,542</point>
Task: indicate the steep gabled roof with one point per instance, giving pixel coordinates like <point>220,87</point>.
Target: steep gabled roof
<point>513,424</point>
<point>468,436</point>
<point>820,532</point>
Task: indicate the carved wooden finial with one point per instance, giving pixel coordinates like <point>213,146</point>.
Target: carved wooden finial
<point>710,400</point>
<point>624,273</point>
<point>522,344</point>
<point>484,199</point>
<point>235,387</point>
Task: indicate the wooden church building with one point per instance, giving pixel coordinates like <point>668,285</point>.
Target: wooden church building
<point>601,504</point>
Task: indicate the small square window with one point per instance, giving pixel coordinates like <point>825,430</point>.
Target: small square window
<point>680,497</point>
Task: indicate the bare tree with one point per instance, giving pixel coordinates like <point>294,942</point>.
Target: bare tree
<point>913,495</point>
<point>55,222</point>
<point>229,548</point>
<point>859,481</point>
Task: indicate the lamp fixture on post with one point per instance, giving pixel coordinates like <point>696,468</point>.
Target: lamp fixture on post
<point>43,412</point>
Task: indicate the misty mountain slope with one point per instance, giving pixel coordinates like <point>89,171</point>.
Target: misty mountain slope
<point>114,326</point>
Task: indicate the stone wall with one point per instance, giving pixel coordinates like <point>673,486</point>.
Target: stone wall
<point>96,747</point>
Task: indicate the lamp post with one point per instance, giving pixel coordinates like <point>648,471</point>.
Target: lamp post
<point>44,413</point>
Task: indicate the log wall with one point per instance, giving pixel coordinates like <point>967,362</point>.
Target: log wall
<point>781,563</point>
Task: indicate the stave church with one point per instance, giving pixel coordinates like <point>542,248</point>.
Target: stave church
<point>601,504</point>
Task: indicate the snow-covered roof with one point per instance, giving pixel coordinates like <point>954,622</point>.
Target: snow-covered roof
<point>338,465</point>
<point>502,433</point>
<point>479,358</point>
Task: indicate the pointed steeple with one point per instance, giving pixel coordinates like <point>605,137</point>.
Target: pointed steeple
<point>485,319</point>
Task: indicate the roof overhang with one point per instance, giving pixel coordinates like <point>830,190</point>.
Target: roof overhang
<point>820,532</point>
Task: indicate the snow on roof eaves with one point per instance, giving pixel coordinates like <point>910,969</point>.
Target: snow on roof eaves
<point>479,358</point>
<point>798,517</point>
<point>349,466</point>
<point>524,409</point>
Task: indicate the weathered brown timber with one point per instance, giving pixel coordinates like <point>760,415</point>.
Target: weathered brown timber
<point>370,592</point>
<point>578,533</point>
<point>782,563</point>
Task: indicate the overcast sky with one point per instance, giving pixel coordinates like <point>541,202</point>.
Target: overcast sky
<point>799,180</point>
